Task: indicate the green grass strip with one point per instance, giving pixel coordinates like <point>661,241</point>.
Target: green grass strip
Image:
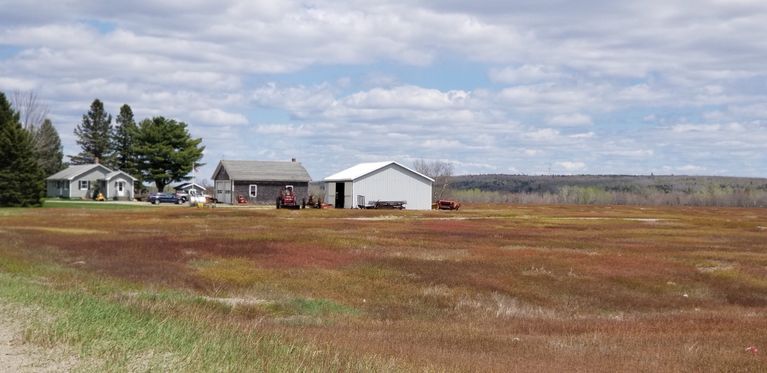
<point>111,336</point>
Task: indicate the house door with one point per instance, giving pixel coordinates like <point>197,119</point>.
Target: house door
<point>120,188</point>
<point>340,191</point>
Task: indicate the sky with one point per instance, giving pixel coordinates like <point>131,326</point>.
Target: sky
<point>495,86</point>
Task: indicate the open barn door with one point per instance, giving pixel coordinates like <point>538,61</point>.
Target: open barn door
<point>339,202</point>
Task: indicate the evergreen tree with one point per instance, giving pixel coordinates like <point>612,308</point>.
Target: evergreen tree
<point>47,143</point>
<point>21,181</point>
<point>94,135</point>
<point>124,131</point>
<point>165,151</point>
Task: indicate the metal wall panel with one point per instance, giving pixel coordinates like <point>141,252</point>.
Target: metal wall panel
<point>330,192</point>
<point>394,183</point>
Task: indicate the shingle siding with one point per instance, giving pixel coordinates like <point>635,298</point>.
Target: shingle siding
<point>267,191</point>
<point>269,176</point>
<point>222,175</point>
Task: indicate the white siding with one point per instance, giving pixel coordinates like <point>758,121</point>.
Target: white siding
<point>350,201</point>
<point>53,189</point>
<point>93,176</point>
<point>111,192</point>
<point>392,183</point>
<point>330,192</point>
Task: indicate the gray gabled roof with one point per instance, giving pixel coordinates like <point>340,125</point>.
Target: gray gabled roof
<point>188,185</point>
<point>263,171</point>
<point>71,172</point>
<point>118,172</point>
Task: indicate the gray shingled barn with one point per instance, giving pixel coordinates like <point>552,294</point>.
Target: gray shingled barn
<point>259,182</point>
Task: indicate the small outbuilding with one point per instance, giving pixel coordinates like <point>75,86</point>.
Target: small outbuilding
<point>259,182</point>
<point>367,183</point>
<point>186,187</point>
<point>86,181</point>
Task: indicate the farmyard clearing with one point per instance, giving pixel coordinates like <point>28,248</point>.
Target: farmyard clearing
<point>576,288</point>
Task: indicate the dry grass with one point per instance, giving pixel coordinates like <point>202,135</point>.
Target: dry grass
<point>574,288</point>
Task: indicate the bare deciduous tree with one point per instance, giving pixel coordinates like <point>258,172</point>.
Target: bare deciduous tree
<point>440,171</point>
<point>32,112</point>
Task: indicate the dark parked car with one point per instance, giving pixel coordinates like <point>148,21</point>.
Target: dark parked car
<point>156,198</point>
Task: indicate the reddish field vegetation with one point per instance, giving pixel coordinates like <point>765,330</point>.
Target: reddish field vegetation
<point>568,288</point>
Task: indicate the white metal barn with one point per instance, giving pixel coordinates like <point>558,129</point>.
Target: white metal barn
<point>366,183</point>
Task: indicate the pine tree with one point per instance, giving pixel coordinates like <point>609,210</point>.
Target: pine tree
<point>94,135</point>
<point>21,181</point>
<point>122,143</point>
<point>124,131</point>
<point>165,151</point>
<point>47,143</point>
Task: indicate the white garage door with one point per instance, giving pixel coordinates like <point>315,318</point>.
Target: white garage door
<point>224,191</point>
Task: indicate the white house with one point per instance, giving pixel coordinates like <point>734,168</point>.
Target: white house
<point>366,183</point>
<point>86,180</point>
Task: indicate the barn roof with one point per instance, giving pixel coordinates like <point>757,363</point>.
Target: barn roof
<point>264,170</point>
<point>362,169</point>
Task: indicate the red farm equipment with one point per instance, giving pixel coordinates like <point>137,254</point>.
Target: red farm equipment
<point>288,199</point>
<point>445,204</point>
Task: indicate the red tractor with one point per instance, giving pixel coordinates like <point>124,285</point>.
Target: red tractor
<point>288,199</point>
<point>445,204</point>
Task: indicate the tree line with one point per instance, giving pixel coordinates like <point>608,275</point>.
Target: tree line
<point>157,150</point>
<point>665,190</point>
<point>30,149</point>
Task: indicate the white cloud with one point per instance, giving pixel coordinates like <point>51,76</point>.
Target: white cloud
<point>219,117</point>
<point>441,143</point>
<point>631,153</point>
<point>640,93</point>
<point>576,119</point>
<point>551,98</point>
<point>707,128</point>
<point>13,84</point>
<point>571,166</point>
<point>691,168</point>
<point>532,152</point>
<point>584,135</point>
<point>543,134</point>
<point>686,75</point>
<point>683,128</point>
<point>407,97</point>
<point>524,74</point>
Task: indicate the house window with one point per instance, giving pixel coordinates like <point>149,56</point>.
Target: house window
<point>253,190</point>
<point>84,184</point>
<point>119,186</point>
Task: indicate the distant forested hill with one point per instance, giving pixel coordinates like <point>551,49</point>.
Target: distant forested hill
<point>611,189</point>
<point>615,183</point>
